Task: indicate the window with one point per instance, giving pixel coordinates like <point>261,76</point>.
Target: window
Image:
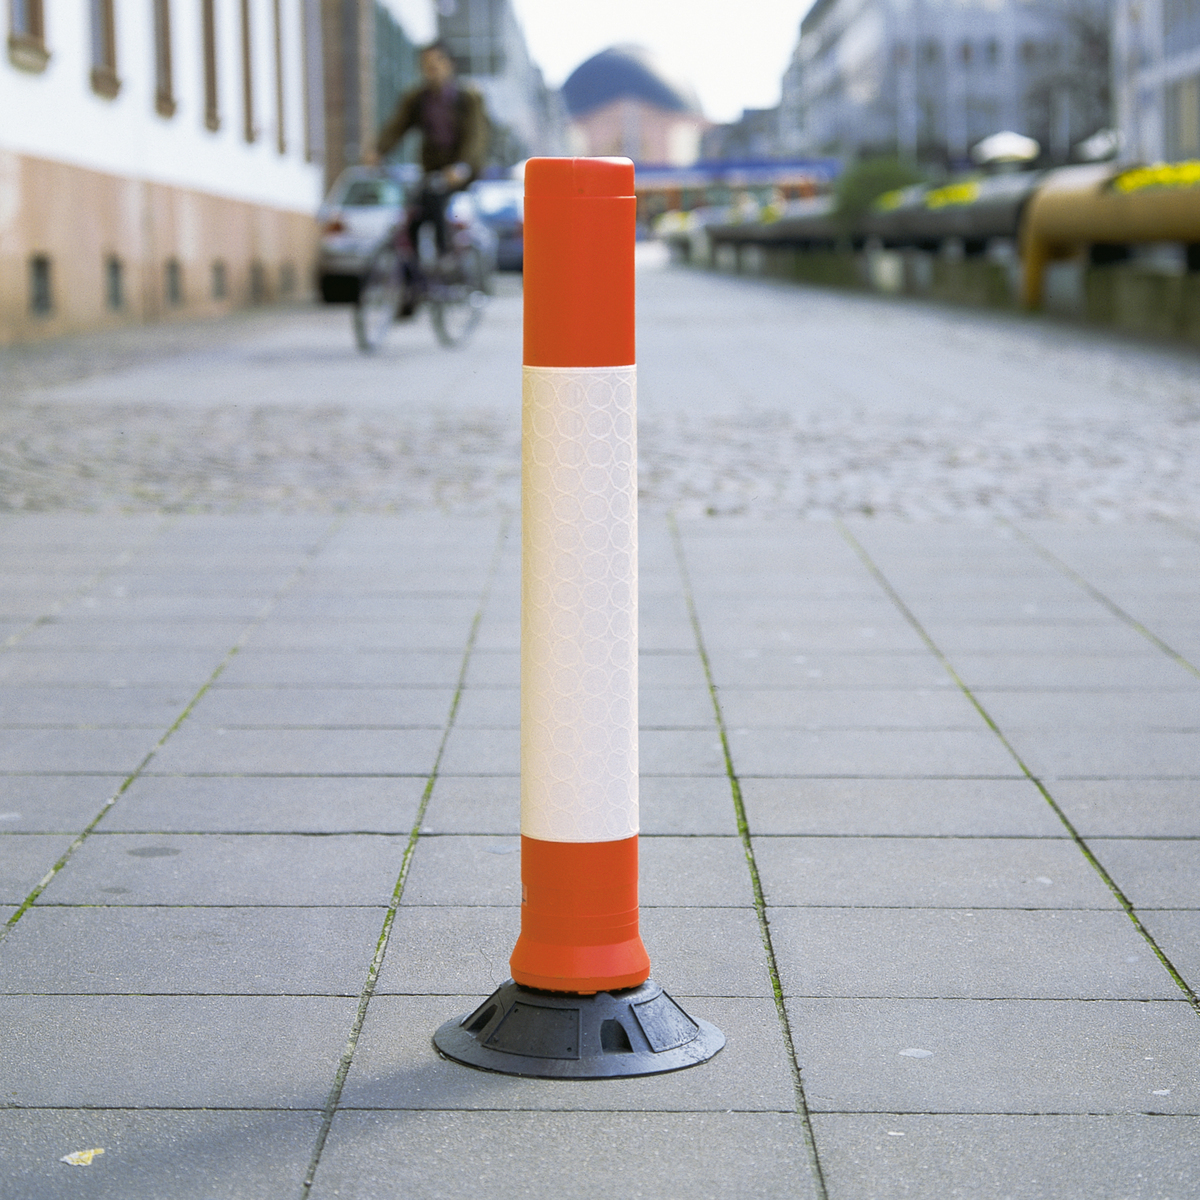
<point>26,35</point>
<point>965,53</point>
<point>1029,51</point>
<point>114,283</point>
<point>258,283</point>
<point>41,298</point>
<point>900,54</point>
<point>208,24</point>
<point>280,131</point>
<point>931,51</point>
<point>173,282</point>
<point>164,91</point>
<point>993,52</point>
<point>104,49</point>
<point>219,286</point>
<point>248,130</point>
<point>287,279</point>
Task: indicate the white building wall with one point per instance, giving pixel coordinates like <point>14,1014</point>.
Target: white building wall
<point>56,115</point>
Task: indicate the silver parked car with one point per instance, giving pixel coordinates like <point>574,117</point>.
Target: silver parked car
<point>361,213</point>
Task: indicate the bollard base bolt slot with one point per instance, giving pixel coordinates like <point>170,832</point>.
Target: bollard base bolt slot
<point>556,1035</point>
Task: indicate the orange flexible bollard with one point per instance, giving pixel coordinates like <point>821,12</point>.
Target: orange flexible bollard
<point>581,1003</point>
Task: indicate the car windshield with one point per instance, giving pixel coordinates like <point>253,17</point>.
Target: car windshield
<point>370,193</point>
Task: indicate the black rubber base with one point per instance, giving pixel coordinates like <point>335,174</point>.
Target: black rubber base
<point>552,1035</point>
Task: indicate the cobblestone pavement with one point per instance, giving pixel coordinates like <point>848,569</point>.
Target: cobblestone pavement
<point>756,399</point>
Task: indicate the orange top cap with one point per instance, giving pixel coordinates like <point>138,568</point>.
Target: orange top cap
<point>580,226</point>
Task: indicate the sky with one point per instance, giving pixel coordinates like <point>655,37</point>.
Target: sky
<point>733,52</point>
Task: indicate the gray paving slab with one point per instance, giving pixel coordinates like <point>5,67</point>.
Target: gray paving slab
<point>691,806</point>
<point>187,1155</point>
<point>302,609</point>
<point>150,708</point>
<point>213,868</point>
<point>93,634</point>
<point>705,871</point>
<point>565,1156</point>
<point>963,1156</point>
<point>323,708</point>
<point>475,804</point>
<point>1013,1056</point>
<point>857,708</point>
<point>58,751</point>
<point>108,668</point>
<point>899,808</point>
<point>928,873</point>
<point>673,636</point>
<point>396,1066</point>
<point>24,859</point>
<point>194,749</point>
<point>482,752</point>
<point>360,668</point>
<point>681,752</point>
<point>675,707</point>
<point>1153,873</point>
<point>664,670</point>
<point>265,804</point>
<point>1112,637</point>
<point>1081,709</point>
<point>817,671</point>
<point>53,803</point>
<point>1164,808</point>
<point>948,953</point>
<point>489,708</point>
<point>103,605</point>
<point>700,951</point>
<point>220,580</point>
<point>1128,752</point>
<point>191,951</point>
<point>911,752</point>
<point>428,631</point>
<point>172,1051</point>
<point>1177,933</point>
<point>1071,670</point>
<point>881,636</point>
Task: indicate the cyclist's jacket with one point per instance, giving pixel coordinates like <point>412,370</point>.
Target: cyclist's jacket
<point>452,122</point>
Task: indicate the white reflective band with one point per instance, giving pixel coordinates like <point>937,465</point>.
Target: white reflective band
<point>579,681</point>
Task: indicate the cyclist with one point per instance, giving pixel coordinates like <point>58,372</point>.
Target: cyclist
<point>453,125</point>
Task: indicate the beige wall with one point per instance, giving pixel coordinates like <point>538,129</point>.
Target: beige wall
<point>80,218</point>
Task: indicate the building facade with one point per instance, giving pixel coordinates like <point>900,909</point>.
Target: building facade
<point>155,159</point>
<point>1156,78</point>
<point>927,79</point>
<point>620,103</point>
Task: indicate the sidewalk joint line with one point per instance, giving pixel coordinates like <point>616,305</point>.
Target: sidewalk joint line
<point>1037,782</point>
<point>128,782</point>
<point>760,903</point>
<point>334,1098</point>
<point>1097,595</point>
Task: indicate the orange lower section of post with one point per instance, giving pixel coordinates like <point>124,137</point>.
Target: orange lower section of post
<point>579,917</point>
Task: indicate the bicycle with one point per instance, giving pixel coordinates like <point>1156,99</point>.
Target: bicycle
<point>400,278</point>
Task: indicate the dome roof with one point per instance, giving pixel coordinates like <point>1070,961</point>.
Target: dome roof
<point>622,72</point>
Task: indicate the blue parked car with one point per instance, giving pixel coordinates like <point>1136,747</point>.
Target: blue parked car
<point>500,204</point>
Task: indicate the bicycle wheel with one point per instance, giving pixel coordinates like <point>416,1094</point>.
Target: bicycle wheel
<point>456,306</point>
<point>378,298</point>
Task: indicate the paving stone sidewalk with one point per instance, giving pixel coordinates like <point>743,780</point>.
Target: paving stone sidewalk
<point>259,813</point>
